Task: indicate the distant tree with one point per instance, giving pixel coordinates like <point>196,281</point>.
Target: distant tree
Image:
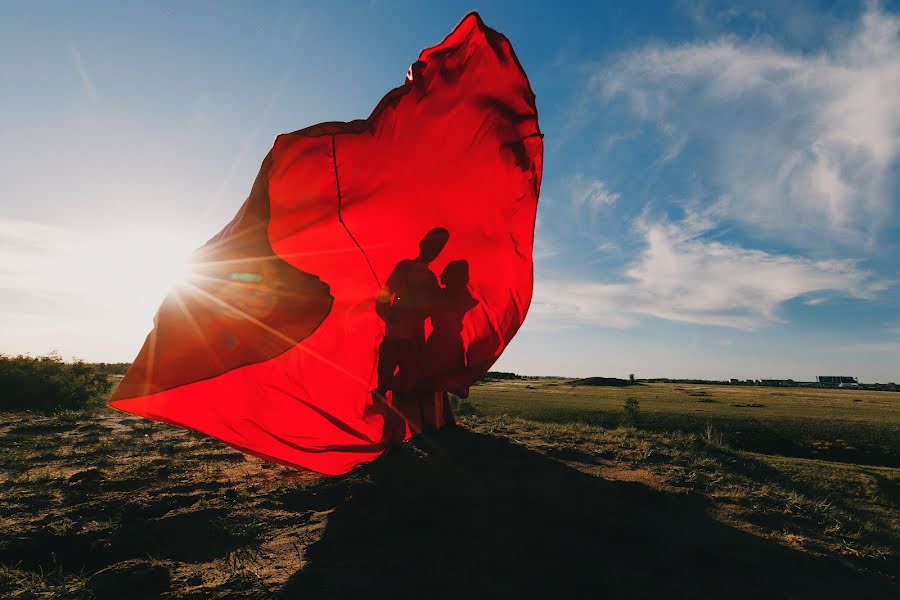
<point>631,376</point>
<point>113,368</point>
<point>494,375</point>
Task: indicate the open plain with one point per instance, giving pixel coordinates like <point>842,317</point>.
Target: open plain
<point>547,489</point>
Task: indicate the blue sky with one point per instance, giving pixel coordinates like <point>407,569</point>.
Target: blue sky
<point>720,192</point>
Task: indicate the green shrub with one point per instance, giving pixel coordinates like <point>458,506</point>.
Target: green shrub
<point>113,368</point>
<point>461,407</point>
<point>632,408</point>
<point>47,383</point>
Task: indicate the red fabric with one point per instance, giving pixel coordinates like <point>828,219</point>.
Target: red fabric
<point>375,266</point>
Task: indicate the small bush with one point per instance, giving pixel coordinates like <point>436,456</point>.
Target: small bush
<point>461,407</point>
<point>47,383</point>
<point>712,436</point>
<point>632,411</point>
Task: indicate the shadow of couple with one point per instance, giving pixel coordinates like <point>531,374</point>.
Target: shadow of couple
<point>458,514</point>
<point>409,357</point>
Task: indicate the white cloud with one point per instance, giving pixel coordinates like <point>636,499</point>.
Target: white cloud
<point>27,250</point>
<point>680,277</point>
<point>589,195</point>
<point>802,145</point>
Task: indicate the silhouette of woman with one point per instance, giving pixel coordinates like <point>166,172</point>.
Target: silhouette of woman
<point>444,354</point>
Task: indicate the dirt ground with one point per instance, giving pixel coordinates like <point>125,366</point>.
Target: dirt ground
<point>106,505</point>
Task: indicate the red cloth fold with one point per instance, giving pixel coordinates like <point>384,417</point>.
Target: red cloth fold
<point>376,265</point>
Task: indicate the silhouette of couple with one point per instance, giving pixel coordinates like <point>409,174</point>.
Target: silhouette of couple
<point>410,365</point>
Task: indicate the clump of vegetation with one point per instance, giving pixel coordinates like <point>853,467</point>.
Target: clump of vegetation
<point>632,411</point>
<point>500,376</point>
<point>113,368</point>
<point>460,406</point>
<point>48,384</point>
<point>712,436</point>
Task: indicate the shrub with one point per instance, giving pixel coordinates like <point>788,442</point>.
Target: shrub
<point>461,407</point>
<point>712,436</point>
<point>47,383</point>
<point>632,408</point>
<point>499,375</point>
<point>113,368</point>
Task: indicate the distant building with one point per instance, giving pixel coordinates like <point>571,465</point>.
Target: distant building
<point>837,381</point>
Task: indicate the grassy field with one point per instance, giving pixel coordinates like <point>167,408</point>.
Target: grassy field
<point>837,448</point>
<point>545,491</point>
<point>830,424</point>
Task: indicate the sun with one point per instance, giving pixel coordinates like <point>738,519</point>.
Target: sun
<point>142,263</point>
<point>161,269</point>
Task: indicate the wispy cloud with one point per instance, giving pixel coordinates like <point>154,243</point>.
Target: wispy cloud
<point>793,138</point>
<point>589,195</point>
<point>681,277</point>
<point>870,348</point>
<point>27,251</point>
<point>86,81</point>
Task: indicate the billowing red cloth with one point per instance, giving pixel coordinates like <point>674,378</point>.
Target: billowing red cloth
<point>376,265</point>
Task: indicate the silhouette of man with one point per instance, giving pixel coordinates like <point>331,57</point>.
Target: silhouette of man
<point>405,301</point>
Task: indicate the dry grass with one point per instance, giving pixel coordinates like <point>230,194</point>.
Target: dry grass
<point>522,504</point>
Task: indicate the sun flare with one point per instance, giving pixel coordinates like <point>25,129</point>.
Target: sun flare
<point>139,263</point>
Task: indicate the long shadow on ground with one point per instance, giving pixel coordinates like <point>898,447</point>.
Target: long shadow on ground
<point>466,515</point>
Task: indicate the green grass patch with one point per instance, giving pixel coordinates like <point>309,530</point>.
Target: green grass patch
<point>837,425</point>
